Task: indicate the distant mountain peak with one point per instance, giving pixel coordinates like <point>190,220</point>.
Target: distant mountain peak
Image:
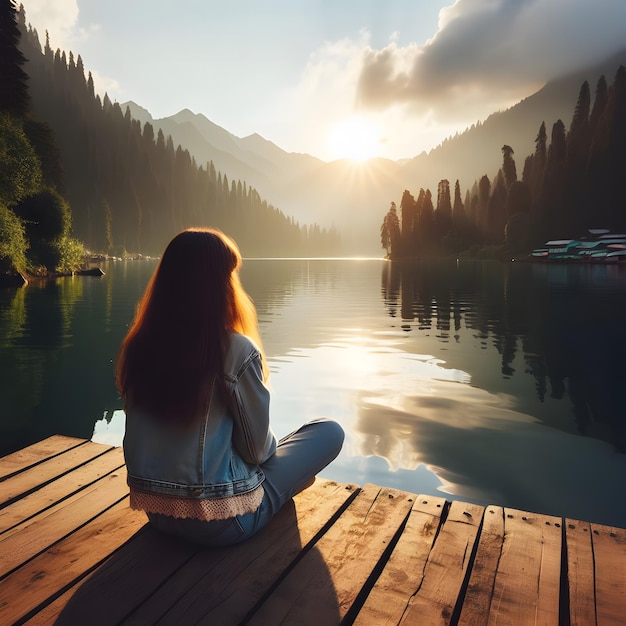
<point>185,113</point>
<point>137,112</point>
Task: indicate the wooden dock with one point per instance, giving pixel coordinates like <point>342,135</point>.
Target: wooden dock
<point>73,552</point>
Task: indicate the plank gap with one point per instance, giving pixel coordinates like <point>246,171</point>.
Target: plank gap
<point>66,472</point>
<point>63,498</point>
<point>564,599</point>
<point>458,607</point>
<point>305,549</point>
<point>377,570</point>
<point>43,459</point>
<point>58,541</point>
<point>76,581</point>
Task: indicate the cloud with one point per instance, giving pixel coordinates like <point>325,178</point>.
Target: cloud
<point>60,18</point>
<point>326,94</point>
<point>482,449</point>
<point>322,97</point>
<point>487,54</point>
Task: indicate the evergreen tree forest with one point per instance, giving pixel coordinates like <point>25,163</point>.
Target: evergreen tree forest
<point>130,189</point>
<point>35,219</point>
<point>573,182</point>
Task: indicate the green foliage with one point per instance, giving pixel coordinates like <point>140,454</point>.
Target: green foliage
<point>44,142</point>
<point>569,185</point>
<point>13,244</point>
<point>47,220</point>
<point>46,215</point>
<point>20,169</point>
<point>390,232</point>
<point>130,190</point>
<point>71,254</point>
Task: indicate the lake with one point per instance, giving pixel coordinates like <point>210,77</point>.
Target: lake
<point>482,381</point>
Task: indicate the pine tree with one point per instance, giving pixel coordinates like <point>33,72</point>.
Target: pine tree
<point>390,231</point>
<point>497,209</point>
<point>552,203</point>
<point>484,191</point>
<point>599,102</point>
<point>508,166</point>
<point>578,139</point>
<point>443,214</point>
<point>408,208</point>
<point>14,96</point>
<point>458,210</point>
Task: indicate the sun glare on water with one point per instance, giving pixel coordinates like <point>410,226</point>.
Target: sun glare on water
<point>354,138</point>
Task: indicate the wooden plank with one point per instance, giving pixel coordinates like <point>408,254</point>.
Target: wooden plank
<point>209,587</point>
<point>580,573</point>
<point>479,593</point>
<point>23,542</point>
<point>127,579</point>
<point>324,584</point>
<point>22,459</point>
<point>49,614</point>
<point>404,572</point>
<point>527,581</point>
<point>25,508</point>
<point>39,475</point>
<point>609,550</point>
<point>41,580</point>
<point>446,567</point>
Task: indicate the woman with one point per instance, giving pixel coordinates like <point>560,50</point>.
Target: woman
<point>202,460</point>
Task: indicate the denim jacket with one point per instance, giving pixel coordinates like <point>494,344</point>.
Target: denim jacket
<point>216,457</point>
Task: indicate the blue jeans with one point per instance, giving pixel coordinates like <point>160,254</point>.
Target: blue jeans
<point>299,457</point>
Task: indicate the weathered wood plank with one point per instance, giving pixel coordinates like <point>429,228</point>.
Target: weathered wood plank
<point>26,457</point>
<point>324,584</point>
<point>580,573</point>
<point>404,572</point>
<point>65,558</point>
<point>446,567</point>
<point>527,580</point>
<point>68,484</point>
<point>208,588</point>
<point>49,614</point>
<point>479,593</point>
<point>37,583</point>
<point>609,550</point>
<point>42,473</point>
<point>127,579</point>
<point>23,542</point>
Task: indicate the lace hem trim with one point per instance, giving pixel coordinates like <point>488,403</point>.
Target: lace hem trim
<point>189,508</point>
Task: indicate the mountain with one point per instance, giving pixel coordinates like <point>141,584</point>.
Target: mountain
<point>477,151</point>
<point>261,163</point>
<point>354,197</point>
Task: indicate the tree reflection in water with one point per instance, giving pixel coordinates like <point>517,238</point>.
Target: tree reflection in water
<point>567,320</point>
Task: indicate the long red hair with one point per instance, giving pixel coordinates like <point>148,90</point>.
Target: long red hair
<point>174,350</point>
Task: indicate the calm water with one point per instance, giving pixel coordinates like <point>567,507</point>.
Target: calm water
<point>485,382</point>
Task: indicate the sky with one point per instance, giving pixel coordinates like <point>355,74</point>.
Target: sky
<point>331,78</point>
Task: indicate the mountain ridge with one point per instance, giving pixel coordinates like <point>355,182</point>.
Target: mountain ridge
<point>354,197</point>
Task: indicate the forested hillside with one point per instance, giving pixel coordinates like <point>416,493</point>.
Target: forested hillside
<point>131,189</point>
<point>35,218</point>
<point>574,181</point>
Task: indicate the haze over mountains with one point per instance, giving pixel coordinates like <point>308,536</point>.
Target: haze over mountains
<point>354,197</point>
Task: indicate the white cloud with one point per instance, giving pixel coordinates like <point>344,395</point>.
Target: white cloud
<point>110,86</point>
<point>60,18</point>
<point>487,54</point>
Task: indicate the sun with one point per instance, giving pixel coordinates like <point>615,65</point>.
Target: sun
<point>354,138</point>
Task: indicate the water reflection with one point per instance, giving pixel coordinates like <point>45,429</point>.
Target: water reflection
<point>475,379</point>
<point>565,323</point>
<point>484,451</point>
<point>58,342</point>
